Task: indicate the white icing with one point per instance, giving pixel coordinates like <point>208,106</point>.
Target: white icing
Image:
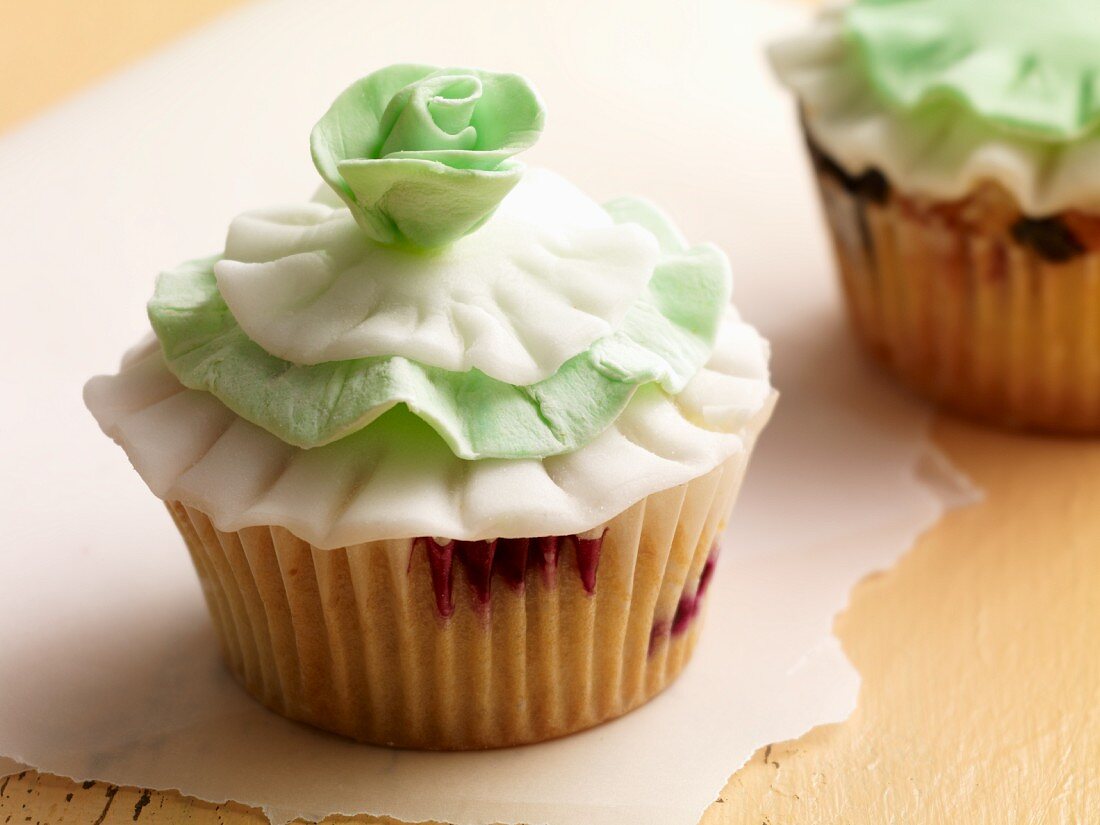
<point>398,479</point>
<point>547,276</point>
<point>944,155</point>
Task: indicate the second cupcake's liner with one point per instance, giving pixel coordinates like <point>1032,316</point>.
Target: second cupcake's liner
<point>427,643</point>
<point>977,321</point>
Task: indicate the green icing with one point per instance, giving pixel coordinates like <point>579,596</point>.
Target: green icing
<point>1030,66</point>
<point>421,155</point>
<point>665,338</point>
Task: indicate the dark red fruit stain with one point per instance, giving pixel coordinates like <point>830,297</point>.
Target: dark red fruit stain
<point>508,559</point>
<point>441,566</point>
<point>544,556</point>
<point>1049,237</point>
<point>511,562</point>
<point>688,607</point>
<point>476,558</point>
<point>588,559</point>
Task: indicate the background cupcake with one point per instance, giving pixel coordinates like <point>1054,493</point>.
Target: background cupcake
<point>957,148</point>
<point>451,444</point>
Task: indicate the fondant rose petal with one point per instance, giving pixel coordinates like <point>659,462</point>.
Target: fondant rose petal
<point>422,155</point>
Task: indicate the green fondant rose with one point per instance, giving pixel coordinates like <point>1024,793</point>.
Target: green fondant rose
<point>422,155</point>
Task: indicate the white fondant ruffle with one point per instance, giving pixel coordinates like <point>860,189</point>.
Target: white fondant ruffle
<point>944,152</point>
<point>550,274</point>
<point>398,479</point>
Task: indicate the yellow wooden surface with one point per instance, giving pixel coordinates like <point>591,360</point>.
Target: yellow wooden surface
<point>51,48</point>
<point>978,652</point>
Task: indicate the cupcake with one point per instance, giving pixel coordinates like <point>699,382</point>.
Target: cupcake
<point>956,145</point>
<point>451,444</point>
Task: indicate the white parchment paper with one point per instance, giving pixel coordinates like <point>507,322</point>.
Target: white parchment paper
<point>108,666</point>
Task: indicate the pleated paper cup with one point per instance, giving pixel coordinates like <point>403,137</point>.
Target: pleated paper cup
<point>428,643</point>
<point>976,321</point>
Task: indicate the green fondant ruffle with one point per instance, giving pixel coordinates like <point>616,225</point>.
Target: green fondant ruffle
<point>1031,66</point>
<point>665,338</point>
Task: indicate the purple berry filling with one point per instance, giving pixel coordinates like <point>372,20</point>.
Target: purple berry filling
<point>688,607</point>
<point>509,559</point>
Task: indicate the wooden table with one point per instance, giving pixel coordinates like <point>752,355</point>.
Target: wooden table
<point>979,652</point>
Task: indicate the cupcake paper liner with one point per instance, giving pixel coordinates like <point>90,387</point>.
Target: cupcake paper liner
<point>427,643</point>
<point>979,322</point>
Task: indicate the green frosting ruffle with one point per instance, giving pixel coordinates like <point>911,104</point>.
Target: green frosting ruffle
<point>665,338</point>
<point>421,155</point>
<point>1031,66</point>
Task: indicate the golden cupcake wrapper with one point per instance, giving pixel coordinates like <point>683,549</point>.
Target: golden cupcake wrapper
<point>353,640</point>
<point>977,322</point>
